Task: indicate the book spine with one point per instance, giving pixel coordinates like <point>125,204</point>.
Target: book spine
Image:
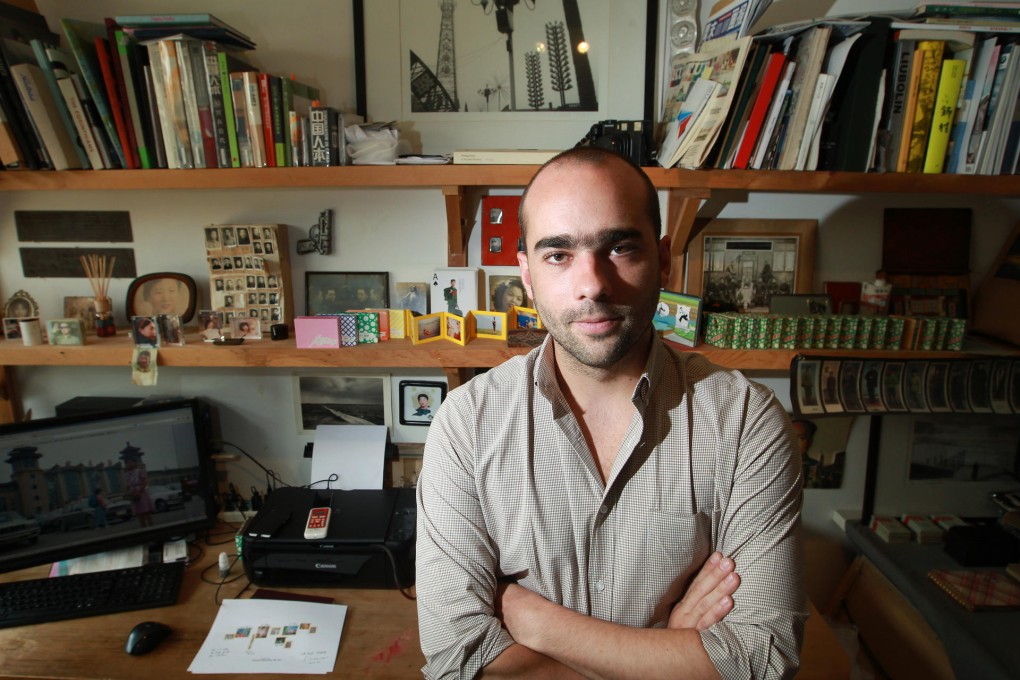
<point>323,124</point>
<point>289,123</point>
<point>190,96</point>
<point>773,72</point>
<point>926,93</point>
<point>162,107</point>
<point>294,137</point>
<point>29,151</point>
<point>95,122</point>
<point>942,117</point>
<point>200,86</point>
<point>217,106</point>
<point>266,105</point>
<point>901,66</point>
<point>38,101</point>
<point>908,112</point>
<point>136,103</point>
<point>253,110</point>
<point>81,122</point>
<point>176,114</point>
<point>84,54</point>
<point>775,110</point>
<point>62,110</point>
<point>240,101</point>
<point>118,74</point>
<point>106,70</point>
<point>279,135</point>
<point>228,110</point>
<point>152,109</point>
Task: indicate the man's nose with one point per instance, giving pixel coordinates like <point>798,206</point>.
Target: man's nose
<point>593,276</point>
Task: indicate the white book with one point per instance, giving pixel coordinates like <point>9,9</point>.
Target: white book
<point>173,161</point>
<point>819,103</point>
<point>879,104</point>
<point>42,108</point>
<point>680,131</point>
<point>81,122</point>
<point>253,108</point>
<point>991,154</point>
<point>95,122</point>
<point>972,99</point>
<point>978,134</point>
<point>772,119</point>
<point>503,156</point>
<point>190,99</point>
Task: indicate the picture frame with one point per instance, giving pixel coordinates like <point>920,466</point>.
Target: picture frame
<point>454,328</point>
<point>808,400</point>
<point>622,77</point>
<point>914,381</point>
<point>411,394</point>
<point>83,308</point>
<point>525,318</point>
<point>740,263</point>
<point>247,327</point>
<point>413,296</point>
<point>341,399</point>
<point>457,290</point>
<point>505,292</point>
<point>67,331</point>
<point>490,325</point>
<point>829,381</point>
<point>20,305</point>
<point>145,331</point>
<point>678,318</point>
<point>210,324</point>
<point>850,386</point>
<point>871,386</point>
<point>162,293</point>
<point>336,292</point>
<point>171,330</point>
<point>427,328</point>
<point>12,331</point>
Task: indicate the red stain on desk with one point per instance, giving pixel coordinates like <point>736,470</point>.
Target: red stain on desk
<point>394,650</point>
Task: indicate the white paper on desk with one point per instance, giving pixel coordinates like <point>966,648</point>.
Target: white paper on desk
<point>131,556</point>
<point>355,453</point>
<point>272,636</point>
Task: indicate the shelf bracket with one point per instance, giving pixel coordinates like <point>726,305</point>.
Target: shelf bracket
<point>681,217</point>
<point>461,206</point>
<point>10,406</point>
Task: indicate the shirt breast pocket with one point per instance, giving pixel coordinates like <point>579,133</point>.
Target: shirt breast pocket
<point>679,542</point>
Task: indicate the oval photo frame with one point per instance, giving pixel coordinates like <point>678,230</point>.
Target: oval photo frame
<point>162,293</point>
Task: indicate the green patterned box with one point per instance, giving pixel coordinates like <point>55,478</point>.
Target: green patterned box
<point>928,328</point>
<point>849,323</point>
<point>759,331</point>
<point>368,327</point>
<point>806,332</point>
<point>833,326</point>
<point>775,331</point>
<point>894,333</point>
<point>789,332</point>
<point>957,328</point>
<point>865,325</point>
<point>718,329</point>
<point>741,332</point>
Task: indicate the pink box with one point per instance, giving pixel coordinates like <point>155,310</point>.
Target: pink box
<point>317,332</point>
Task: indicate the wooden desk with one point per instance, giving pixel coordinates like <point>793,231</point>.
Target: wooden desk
<point>380,637</point>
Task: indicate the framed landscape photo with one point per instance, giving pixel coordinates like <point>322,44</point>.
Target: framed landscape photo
<point>741,263</point>
<point>476,81</point>
<point>337,399</point>
<point>336,292</point>
<point>419,401</point>
<point>162,293</point>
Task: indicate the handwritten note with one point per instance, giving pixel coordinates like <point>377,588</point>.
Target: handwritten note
<point>272,636</point>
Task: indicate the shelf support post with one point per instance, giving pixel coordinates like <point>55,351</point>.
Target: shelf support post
<point>461,204</point>
<point>681,214</point>
<point>10,406</point>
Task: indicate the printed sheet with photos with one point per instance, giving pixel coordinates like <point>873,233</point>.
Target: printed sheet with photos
<point>249,272</point>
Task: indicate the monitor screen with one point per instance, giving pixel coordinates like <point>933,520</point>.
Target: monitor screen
<point>84,484</point>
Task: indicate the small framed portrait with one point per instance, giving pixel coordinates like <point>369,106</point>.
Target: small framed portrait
<point>937,387</point>
<point>453,329</point>
<point>162,293</point>
<point>212,238</point>
<point>830,386</point>
<point>914,386</point>
<point>871,386</point>
<point>12,331</point>
<point>335,292</point>
<point>490,325</point>
<point>892,385</point>
<point>143,366</point>
<point>808,400</point>
<point>426,328</point>
<point>249,328</point>
<point>145,331</point>
<point>170,329</point>
<point>506,292</point>
<point>229,238</point>
<point>419,401</point>
<point>413,295</point>
<point>850,386</point>
<point>210,324</point>
<point>65,332</point>
<point>341,399</point>
<point>20,306</point>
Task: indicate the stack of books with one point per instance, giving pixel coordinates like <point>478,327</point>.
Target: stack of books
<point>931,91</point>
<point>151,91</point>
<point>733,330</point>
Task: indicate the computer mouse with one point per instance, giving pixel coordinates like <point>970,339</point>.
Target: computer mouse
<point>145,637</point>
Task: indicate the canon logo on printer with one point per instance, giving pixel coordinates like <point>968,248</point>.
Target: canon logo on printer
<point>319,565</point>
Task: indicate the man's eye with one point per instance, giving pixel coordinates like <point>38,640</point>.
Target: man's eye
<point>555,258</point>
<point>622,248</point>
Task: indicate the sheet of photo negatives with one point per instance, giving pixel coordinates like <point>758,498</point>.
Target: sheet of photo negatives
<point>822,386</point>
<point>245,274</point>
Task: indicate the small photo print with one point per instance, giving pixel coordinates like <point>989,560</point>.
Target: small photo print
<point>413,295</point>
<point>454,328</point>
<point>490,324</point>
<point>82,308</point>
<point>65,332</point>
<point>419,401</point>
<point>12,331</point>
<point>506,292</point>
<point>143,366</point>
<point>892,386</point>
<point>937,387</point>
<point>170,331</point>
<point>144,331</point>
<point>830,387</point>
<point>958,400</point>
<point>850,387</point>
<point>913,386</point>
<point>246,327</point>
<point>807,386</point>
<point>871,379</point>
<point>210,324</point>
<point>427,328</point>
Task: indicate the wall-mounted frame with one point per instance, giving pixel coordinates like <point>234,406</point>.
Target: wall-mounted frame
<point>162,293</point>
<point>402,44</point>
<point>742,263</point>
<point>336,292</point>
<point>419,401</point>
<point>341,399</point>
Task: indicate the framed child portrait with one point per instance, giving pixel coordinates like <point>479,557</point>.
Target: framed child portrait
<point>246,327</point>
<point>419,401</point>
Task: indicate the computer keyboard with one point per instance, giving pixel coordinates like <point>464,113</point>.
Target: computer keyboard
<point>79,595</point>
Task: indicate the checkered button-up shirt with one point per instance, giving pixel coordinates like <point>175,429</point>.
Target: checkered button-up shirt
<point>509,488</point>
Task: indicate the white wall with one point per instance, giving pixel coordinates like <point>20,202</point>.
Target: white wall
<point>402,232</point>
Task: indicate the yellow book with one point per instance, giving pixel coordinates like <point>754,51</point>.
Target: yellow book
<point>942,118</point>
<point>926,91</point>
<point>908,112</point>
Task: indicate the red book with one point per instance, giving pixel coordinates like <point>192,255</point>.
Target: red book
<point>265,96</point>
<point>126,142</point>
<point>118,76</point>
<point>773,71</point>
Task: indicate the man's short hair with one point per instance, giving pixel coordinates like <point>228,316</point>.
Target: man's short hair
<point>596,156</point>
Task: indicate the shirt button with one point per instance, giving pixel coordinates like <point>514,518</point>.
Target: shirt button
<point>603,509</point>
<point>600,586</point>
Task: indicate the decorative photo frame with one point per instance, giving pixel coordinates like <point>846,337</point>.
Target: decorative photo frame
<point>506,292</point>
<point>21,305</point>
<point>145,331</point>
<point>162,293</point>
<point>210,324</point>
<point>83,308</point>
<point>12,331</point>
<point>523,318</point>
<point>454,329</point>
<point>246,327</point>
<point>65,331</point>
<point>678,318</point>
<point>808,401</point>
<point>427,328</point>
<point>491,325</point>
<point>171,331</point>
<point>341,399</point>
<point>413,296</point>
<point>419,401</point>
<point>335,292</point>
<point>616,33</point>
<point>742,263</point>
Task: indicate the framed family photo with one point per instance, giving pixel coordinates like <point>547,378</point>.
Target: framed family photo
<point>336,292</point>
<point>419,401</point>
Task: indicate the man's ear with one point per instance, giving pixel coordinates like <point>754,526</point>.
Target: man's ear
<point>665,261</point>
<point>522,260</point>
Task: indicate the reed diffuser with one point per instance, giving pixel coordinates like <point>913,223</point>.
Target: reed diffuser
<point>99,272</point>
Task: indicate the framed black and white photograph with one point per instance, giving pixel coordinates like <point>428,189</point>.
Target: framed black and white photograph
<point>419,401</point>
<point>964,448</point>
<point>830,386</point>
<point>538,70</point>
<point>892,385</point>
<point>808,401</point>
<point>914,386</point>
<point>414,296</point>
<point>338,399</point>
<point>336,292</point>
<point>937,387</point>
<point>850,386</point>
<point>871,387</point>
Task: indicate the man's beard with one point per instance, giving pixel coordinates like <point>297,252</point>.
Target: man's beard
<point>601,352</point>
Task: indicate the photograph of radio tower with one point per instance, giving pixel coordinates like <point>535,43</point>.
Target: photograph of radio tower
<point>500,56</point>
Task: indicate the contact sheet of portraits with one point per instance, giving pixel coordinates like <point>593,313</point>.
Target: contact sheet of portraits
<point>249,272</point>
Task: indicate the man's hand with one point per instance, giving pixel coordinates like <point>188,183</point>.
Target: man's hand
<point>709,596</point>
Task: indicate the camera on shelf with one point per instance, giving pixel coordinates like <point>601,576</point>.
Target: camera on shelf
<point>629,138</point>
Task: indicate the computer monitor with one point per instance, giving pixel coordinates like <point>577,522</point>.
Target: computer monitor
<point>71,486</point>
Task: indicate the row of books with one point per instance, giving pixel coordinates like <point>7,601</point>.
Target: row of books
<point>150,91</point>
<point>929,93</point>
<point>733,330</point>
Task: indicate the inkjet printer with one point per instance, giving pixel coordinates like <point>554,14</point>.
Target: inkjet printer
<point>368,542</point>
